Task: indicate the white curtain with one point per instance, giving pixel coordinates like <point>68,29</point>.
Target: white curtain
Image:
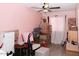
<point>58,29</point>
<point>8,41</point>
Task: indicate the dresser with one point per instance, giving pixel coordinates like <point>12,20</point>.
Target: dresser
<point>72,41</point>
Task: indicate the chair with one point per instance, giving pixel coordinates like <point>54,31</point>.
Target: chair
<point>32,47</point>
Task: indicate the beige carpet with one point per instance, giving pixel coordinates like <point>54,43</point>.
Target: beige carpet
<point>58,50</point>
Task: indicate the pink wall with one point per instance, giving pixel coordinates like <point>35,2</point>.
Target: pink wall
<point>18,16</point>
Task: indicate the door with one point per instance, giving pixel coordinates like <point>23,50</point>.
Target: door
<point>58,29</point>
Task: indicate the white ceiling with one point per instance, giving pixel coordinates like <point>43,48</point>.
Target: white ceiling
<point>63,6</point>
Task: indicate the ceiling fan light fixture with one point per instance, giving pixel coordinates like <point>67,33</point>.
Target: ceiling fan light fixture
<point>46,5</point>
<point>45,10</point>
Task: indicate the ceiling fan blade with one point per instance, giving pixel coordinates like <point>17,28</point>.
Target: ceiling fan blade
<point>40,10</point>
<point>49,11</point>
<point>54,8</point>
<point>36,7</point>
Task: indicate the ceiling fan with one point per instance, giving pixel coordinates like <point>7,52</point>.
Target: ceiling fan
<point>45,8</point>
